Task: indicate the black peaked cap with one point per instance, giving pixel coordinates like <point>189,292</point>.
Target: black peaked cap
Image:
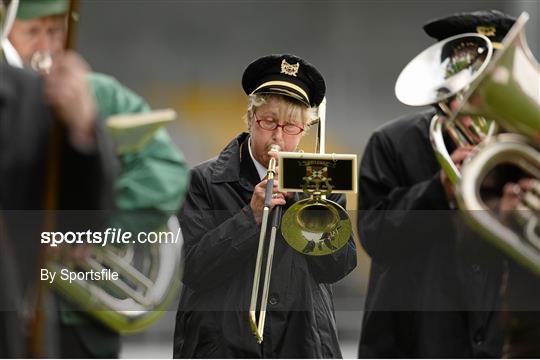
<point>286,75</point>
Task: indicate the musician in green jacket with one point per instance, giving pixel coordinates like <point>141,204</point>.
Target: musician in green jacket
<point>152,179</point>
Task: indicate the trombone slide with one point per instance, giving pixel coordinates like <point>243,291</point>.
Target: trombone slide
<point>257,326</point>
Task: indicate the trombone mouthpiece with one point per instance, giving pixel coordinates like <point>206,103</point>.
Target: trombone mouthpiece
<point>41,62</point>
<point>275,148</point>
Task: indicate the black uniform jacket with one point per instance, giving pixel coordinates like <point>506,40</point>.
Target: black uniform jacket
<point>84,183</point>
<point>432,287</point>
<point>221,239</point>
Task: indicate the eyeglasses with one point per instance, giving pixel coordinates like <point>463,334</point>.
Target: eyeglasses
<point>270,125</point>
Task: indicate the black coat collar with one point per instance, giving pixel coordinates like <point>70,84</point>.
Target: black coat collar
<point>234,164</point>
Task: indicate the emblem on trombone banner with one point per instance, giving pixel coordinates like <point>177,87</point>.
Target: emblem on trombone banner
<point>317,179</point>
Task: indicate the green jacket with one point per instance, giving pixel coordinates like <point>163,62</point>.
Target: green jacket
<point>155,178</point>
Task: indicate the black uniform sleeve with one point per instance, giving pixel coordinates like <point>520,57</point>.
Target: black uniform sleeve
<point>392,216</point>
<point>332,268</point>
<point>214,243</point>
<point>94,171</point>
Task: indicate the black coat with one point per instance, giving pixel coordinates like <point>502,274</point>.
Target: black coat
<point>221,239</point>
<point>432,289</point>
<point>84,183</point>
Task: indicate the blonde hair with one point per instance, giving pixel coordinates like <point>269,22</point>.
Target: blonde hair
<point>294,109</point>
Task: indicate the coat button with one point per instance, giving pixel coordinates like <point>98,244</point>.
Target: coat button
<point>273,300</point>
<point>476,268</point>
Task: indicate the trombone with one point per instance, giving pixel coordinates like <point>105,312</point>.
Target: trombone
<point>257,326</point>
<point>314,215</point>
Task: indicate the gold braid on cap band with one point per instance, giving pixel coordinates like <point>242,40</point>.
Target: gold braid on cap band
<point>283,83</point>
<point>290,93</point>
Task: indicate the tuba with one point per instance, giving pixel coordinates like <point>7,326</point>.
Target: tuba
<point>148,273</point>
<point>436,77</point>
<point>313,226</point>
<point>500,93</point>
<point>148,280</point>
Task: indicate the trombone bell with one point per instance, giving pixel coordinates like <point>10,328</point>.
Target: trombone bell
<point>316,226</point>
<point>315,217</point>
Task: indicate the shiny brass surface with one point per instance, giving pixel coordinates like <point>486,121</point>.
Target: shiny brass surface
<point>316,226</point>
<point>501,95</point>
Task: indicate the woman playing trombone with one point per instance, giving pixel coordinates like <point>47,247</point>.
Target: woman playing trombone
<point>221,222</point>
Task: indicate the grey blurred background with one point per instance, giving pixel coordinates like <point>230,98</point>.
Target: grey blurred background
<point>190,55</point>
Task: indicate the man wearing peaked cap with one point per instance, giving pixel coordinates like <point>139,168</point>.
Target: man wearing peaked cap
<point>434,285</point>
<point>493,24</point>
<point>84,181</point>
<point>221,222</point>
<point>40,26</point>
<point>522,288</point>
<point>32,9</point>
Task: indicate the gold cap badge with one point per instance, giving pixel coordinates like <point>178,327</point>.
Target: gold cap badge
<point>289,69</point>
<point>486,30</point>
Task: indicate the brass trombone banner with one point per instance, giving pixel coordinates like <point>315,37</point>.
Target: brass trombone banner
<point>331,172</point>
